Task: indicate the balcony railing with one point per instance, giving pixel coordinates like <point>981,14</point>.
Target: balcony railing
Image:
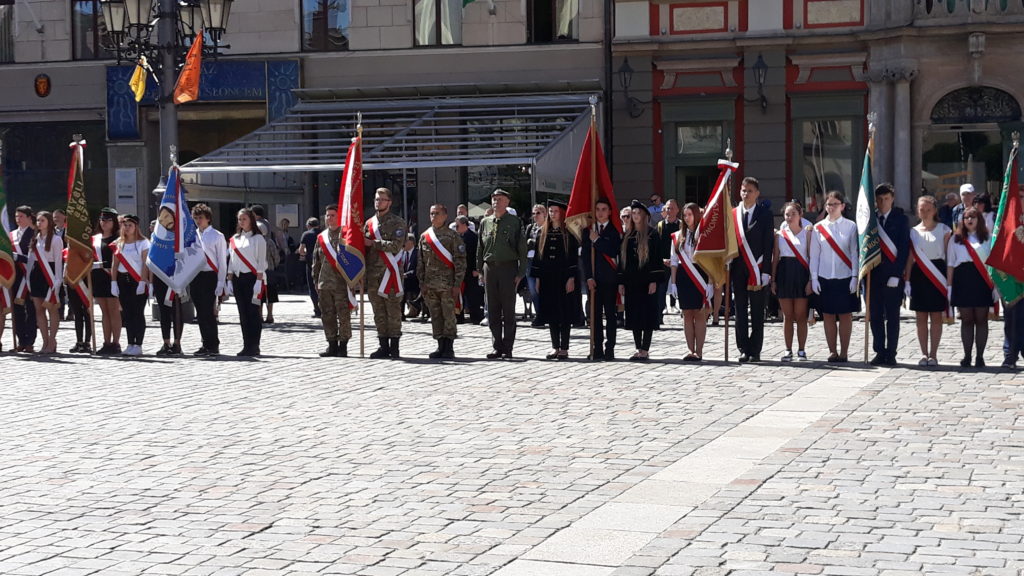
<point>943,12</point>
<point>6,34</point>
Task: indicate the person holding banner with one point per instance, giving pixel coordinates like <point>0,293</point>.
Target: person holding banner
<point>23,313</point>
<point>690,287</point>
<point>385,236</point>
<point>211,281</point>
<point>554,268</point>
<point>601,243</point>
<point>640,270</point>
<point>131,281</point>
<point>926,277</point>
<point>750,271</point>
<point>887,277</point>
<point>835,260</point>
<point>441,268</point>
<point>247,266</point>
<point>969,283</point>
<point>46,271</point>
<point>791,277</point>
<point>332,290</point>
<point>103,262</point>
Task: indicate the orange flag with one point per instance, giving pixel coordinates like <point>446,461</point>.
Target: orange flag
<point>187,88</point>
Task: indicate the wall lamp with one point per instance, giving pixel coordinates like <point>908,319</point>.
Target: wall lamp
<point>634,106</point>
<point>760,70</point>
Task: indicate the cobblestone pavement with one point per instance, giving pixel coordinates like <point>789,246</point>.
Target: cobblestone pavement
<point>294,464</point>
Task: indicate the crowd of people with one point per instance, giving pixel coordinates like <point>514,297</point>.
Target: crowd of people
<point>630,272</point>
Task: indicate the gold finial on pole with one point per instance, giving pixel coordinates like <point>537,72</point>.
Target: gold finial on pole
<point>728,149</point>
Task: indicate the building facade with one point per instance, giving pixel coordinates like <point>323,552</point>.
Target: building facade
<point>791,82</point>
<point>280,51</point>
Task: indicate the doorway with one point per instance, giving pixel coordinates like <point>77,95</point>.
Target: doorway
<point>694,184</point>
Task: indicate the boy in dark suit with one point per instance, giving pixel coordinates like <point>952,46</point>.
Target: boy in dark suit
<point>887,277</point>
<point>602,278</point>
<point>750,271</point>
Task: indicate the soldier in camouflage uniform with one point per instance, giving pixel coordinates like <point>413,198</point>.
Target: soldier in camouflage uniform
<point>385,235</point>
<point>441,269</point>
<point>333,290</point>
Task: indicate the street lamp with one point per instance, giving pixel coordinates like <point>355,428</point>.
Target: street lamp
<point>131,25</point>
<point>634,106</point>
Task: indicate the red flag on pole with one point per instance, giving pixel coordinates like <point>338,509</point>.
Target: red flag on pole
<point>716,233</point>
<point>578,214</point>
<point>187,88</point>
<point>351,259</point>
<point>1008,248</point>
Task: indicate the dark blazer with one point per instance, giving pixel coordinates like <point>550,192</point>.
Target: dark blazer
<point>897,226</point>
<point>410,263</point>
<point>760,235</point>
<point>608,244</point>
<point>470,240</point>
<point>27,239</point>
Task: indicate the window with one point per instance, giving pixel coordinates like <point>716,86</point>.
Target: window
<point>552,20</point>
<point>828,159</point>
<point>438,22</point>
<point>325,25</point>
<point>87,31</point>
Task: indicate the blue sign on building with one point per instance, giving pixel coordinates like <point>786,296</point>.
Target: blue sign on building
<point>271,81</point>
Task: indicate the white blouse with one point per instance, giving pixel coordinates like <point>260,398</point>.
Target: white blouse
<point>253,247</point>
<point>54,257</point>
<point>216,249</point>
<point>825,263</point>
<point>688,247</point>
<point>133,253</point>
<point>957,254</point>
<point>929,243</point>
<point>800,240</point>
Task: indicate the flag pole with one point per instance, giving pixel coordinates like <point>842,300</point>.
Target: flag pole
<point>728,288</point>
<point>593,224</point>
<point>362,282</point>
<point>92,310</point>
<point>867,285</point>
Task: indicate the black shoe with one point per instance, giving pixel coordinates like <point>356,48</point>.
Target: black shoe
<point>536,324</point>
<point>744,358</point>
<point>332,349</point>
<point>75,349</point>
<point>393,349</point>
<point>609,355</point>
<point>979,362</point>
<point>493,355</point>
<point>85,349</point>
<point>755,359</point>
<point>176,350</point>
<point>342,348</point>
<point>439,352</point>
<point>597,356</point>
<point>966,361</point>
<point>382,351</point>
<point>164,350</point>
<point>877,360</point>
<point>201,352</point>
<point>506,356</point>
<point>449,349</point>
<point>552,356</point>
<point>104,350</point>
<point>890,361</point>
<point>243,353</point>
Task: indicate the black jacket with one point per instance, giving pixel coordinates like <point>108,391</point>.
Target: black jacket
<point>760,234</point>
<point>606,255</point>
<point>897,226</point>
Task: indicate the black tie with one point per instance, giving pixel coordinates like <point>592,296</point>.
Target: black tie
<point>600,228</point>
<point>881,221</point>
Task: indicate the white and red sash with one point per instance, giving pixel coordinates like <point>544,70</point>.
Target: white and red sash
<point>440,251</point>
<point>5,300</point>
<point>691,268</point>
<point>820,227</point>
<point>930,271</point>
<point>979,265</point>
<point>245,261</point>
<point>752,264</point>
<point>21,290</point>
<point>51,293</point>
<point>97,249</point>
<point>391,283</point>
<point>135,273</point>
<point>787,235</point>
<point>888,247</point>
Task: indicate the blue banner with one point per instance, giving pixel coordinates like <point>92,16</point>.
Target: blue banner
<point>175,255</point>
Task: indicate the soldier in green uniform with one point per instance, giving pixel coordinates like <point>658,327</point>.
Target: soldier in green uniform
<point>332,289</point>
<point>385,236</point>
<point>441,268</point>
<point>501,256</point>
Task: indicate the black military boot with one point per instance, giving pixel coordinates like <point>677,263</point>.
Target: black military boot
<point>332,349</point>
<point>439,353</point>
<point>342,349</point>
<point>449,350</point>
<point>383,351</point>
<point>393,348</point>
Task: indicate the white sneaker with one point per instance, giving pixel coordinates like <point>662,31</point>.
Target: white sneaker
<point>788,356</point>
<point>134,350</point>
<point>801,356</point>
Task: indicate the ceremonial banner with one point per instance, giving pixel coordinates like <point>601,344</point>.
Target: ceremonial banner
<point>592,183</point>
<point>716,233</point>
<point>187,88</point>
<point>351,256</point>
<point>78,230</point>
<point>867,221</point>
<point>1006,262</point>
<point>175,255</point>
<point>6,251</point>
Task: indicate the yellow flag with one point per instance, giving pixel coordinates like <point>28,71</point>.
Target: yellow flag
<point>138,82</point>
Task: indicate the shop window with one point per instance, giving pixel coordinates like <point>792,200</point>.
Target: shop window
<point>438,22</point>
<point>325,25</point>
<point>828,154</point>
<point>552,20</point>
<point>87,31</point>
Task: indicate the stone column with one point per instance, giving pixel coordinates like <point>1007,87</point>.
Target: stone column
<point>880,102</point>
<point>902,168</point>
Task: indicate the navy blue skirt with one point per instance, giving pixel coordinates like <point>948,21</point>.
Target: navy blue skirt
<point>924,296</point>
<point>969,289</point>
<point>835,297</point>
<point>791,278</point>
<point>690,297</point>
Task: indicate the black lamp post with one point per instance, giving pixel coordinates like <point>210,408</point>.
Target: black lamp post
<point>634,106</point>
<point>760,76</point>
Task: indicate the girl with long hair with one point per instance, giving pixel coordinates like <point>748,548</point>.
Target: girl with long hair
<point>791,278</point>
<point>834,266</point>
<point>689,283</point>
<point>247,265</point>
<point>970,287</point>
<point>110,309</point>
<point>45,278</point>
<point>926,277</point>
<point>640,270</point>
<point>554,269</point>
<point>540,216</point>
<point>131,279</point>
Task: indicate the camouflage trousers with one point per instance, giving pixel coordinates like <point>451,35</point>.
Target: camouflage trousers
<point>387,312</point>
<point>335,315</point>
<point>441,305</point>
